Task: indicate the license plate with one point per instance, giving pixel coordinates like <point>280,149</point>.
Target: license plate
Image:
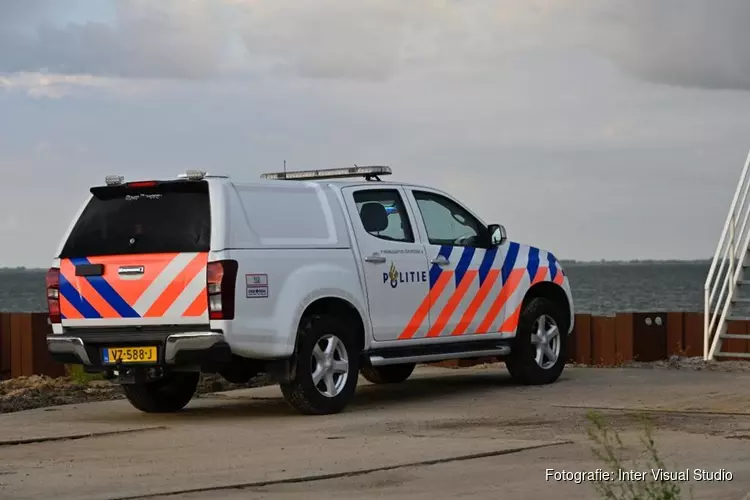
<point>112,355</point>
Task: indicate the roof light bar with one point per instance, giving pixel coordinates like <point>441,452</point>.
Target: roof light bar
<point>114,180</point>
<point>329,173</point>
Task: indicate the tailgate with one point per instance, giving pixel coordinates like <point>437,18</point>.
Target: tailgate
<point>137,256</point>
<point>121,290</point>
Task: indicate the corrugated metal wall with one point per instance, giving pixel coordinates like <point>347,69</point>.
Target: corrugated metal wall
<point>597,340</point>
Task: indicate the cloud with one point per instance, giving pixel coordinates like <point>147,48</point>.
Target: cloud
<point>51,86</point>
<point>329,39</point>
<point>367,39</point>
<point>377,39</point>
<point>689,43</point>
<point>692,43</point>
<point>9,223</point>
<point>174,39</point>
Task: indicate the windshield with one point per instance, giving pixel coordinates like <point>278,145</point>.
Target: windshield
<point>170,217</point>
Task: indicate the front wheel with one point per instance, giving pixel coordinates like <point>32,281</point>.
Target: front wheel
<point>327,362</point>
<point>540,348</point>
<point>166,395</point>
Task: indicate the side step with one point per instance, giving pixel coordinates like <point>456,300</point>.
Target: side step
<point>439,352</point>
<point>741,336</point>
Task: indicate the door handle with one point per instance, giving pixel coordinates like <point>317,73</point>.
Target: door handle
<point>375,259</point>
<point>440,261</point>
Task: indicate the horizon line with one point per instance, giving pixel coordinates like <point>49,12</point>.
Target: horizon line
<point>562,261</point>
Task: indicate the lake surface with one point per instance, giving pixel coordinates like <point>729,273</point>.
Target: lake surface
<point>597,288</point>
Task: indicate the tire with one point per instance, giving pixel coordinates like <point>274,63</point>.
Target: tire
<point>389,374</point>
<point>329,395</point>
<point>522,362</point>
<point>166,395</point>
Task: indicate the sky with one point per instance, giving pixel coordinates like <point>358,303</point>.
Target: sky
<point>597,130</point>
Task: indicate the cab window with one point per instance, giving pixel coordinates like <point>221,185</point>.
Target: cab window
<point>447,222</point>
<point>383,215</point>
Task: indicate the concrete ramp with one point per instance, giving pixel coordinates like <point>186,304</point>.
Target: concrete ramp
<point>217,443</point>
<point>444,433</point>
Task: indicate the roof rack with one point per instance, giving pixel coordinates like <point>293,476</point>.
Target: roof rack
<point>370,173</point>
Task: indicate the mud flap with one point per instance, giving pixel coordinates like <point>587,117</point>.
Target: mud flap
<point>282,370</point>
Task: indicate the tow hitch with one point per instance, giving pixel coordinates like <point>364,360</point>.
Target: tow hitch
<point>133,374</point>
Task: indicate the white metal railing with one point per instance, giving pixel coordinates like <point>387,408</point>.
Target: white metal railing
<point>726,267</point>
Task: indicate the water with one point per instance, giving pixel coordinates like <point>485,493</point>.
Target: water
<point>609,288</point>
<point>597,288</point>
<point>22,290</point>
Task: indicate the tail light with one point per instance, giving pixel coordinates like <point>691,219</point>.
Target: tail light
<point>52,281</point>
<point>221,278</point>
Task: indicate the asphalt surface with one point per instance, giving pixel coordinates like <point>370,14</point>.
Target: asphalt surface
<point>442,434</point>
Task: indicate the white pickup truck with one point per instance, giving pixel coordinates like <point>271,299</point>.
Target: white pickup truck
<point>312,277</point>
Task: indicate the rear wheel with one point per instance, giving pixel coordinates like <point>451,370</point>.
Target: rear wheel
<point>540,349</point>
<point>389,374</point>
<point>327,362</point>
<point>166,395</point>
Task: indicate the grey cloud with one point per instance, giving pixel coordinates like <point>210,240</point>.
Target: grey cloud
<point>690,43</point>
<point>175,40</point>
<point>13,14</point>
<point>327,39</point>
<point>330,39</point>
<point>666,195</point>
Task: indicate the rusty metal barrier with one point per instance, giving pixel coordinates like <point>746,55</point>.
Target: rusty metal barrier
<point>642,336</point>
<point>596,340</point>
<point>23,346</point>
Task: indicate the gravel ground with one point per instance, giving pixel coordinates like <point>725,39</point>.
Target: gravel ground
<point>26,393</point>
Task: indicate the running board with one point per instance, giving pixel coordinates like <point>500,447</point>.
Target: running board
<point>438,352</point>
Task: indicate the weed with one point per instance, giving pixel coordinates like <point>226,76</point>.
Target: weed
<point>77,375</point>
<point>609,448</point>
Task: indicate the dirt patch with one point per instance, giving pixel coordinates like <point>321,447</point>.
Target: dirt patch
<point>692,363</point>
<point>217,383</point>
<point>26,393</point>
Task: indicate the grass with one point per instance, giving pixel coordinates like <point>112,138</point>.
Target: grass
<point>609,448</point>
<point>77,375</point>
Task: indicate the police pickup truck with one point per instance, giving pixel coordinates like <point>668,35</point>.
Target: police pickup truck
<point>312,277</point>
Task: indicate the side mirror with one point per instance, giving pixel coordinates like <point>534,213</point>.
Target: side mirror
<point>497,234</point>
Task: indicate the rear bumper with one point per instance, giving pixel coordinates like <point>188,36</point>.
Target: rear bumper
<point>182,343</point>
<point>176,349</point>
<point>65,349</point>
